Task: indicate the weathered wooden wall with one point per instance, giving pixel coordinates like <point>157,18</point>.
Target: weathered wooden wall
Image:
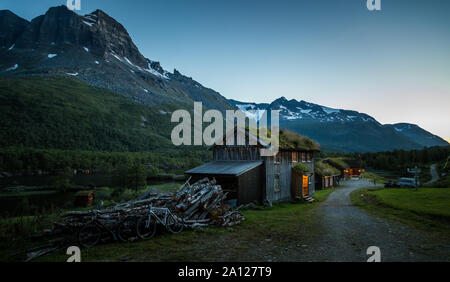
<point>236,153</point>
<point>285,176</point>
<point>269,171</point>
<point>251,186</point>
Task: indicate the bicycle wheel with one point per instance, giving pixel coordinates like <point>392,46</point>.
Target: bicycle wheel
<point>146,227</point>
<point>89,235</point>
<point>173,224</point>
<point>126,230</point>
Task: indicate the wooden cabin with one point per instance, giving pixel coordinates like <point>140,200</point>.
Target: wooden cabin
<point>249,177</point>
<point>355,167</point>
<point>355,172</point>
<point>340,165</point>
<point>347,167</point>
<point>326,176</point>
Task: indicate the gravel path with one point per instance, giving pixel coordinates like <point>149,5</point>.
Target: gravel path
<point>349,231</point>
<point>434,174</point>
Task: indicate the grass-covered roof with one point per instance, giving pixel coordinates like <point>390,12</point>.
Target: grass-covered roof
<point>288,140</point>
<point>293,141</point>
<point>302,167</point>
<point>325,169</point>
<point>339,163</point>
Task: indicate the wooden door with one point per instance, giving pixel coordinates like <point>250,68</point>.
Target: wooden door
<point>305,185</point>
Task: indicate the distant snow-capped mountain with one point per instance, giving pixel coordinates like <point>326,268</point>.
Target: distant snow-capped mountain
<point>343,130</point>
<point>300,110</point>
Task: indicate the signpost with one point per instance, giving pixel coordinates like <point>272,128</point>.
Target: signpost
<point>416,171</point>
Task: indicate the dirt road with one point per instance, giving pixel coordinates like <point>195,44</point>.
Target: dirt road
<point>349,231</point>
<point>434,174</point>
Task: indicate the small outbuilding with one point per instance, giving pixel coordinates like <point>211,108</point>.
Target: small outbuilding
<point>326,176</point>
<point>241,179</point>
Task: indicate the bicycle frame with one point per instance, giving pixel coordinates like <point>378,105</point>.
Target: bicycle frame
<point>158,219</point>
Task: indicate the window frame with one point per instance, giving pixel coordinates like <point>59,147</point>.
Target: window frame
<point>276,183</point>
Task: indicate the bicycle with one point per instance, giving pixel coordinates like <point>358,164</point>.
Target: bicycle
<point>92,232</point>
<point>146,225</point>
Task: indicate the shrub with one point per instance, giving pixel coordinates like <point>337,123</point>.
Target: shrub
<point>302,168</point>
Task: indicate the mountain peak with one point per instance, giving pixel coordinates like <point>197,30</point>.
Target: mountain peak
<point>11,26</point>
<point>59,8</point>
<point>98,50</point>
<point>60,11</point>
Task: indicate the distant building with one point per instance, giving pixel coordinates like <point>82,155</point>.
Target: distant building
<point>340,165</point>
<point>326,176</point>
<point>347,167</point>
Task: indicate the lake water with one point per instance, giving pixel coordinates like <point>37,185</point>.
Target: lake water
<point>37,202</point>
<point>32,204</point>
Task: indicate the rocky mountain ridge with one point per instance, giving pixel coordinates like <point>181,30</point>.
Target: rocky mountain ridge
<point>98,50</point>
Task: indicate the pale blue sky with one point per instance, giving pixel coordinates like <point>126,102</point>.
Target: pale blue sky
<point>393,64</point>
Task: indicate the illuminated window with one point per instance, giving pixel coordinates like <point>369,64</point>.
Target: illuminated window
<point>303,157</point>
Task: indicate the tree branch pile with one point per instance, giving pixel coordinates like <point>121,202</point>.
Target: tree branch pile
<point>199,204</point>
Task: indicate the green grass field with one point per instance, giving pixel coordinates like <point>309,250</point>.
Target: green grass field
<point>425,208</point>
<point>427,201</point>
<point>371,176</point>
<point>265,234</point>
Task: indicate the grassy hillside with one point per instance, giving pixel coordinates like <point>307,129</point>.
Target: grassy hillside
<point>62,113</point>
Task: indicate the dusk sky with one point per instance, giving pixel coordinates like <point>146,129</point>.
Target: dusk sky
<point>392,64</point>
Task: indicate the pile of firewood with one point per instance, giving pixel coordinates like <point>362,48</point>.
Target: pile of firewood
<point>199,205</point>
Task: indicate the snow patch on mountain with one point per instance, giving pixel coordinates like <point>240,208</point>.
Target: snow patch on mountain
<point>307,111</point>
<point>251,111</point>
<point>330,110</point>
<point>88,23</point>
<point>154,72</point>
<point>16,66</point>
